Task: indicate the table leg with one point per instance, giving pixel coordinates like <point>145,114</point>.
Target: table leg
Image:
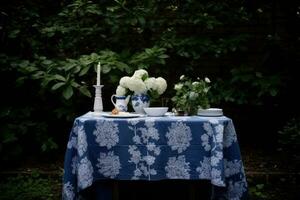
<point>115,190</point>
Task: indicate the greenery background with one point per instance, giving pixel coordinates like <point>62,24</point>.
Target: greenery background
<point>49,51</point>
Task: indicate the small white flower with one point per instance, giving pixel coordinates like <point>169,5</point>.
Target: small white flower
<point>140,73</point>
<point>207,80</point>
<point>195,83</point>
<point>193,95</point>
<point>181,77</point>
<point>178,86</point>
<point>121,91</point>
<point>259,10</point>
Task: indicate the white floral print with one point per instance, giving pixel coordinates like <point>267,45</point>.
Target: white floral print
<point>204,169</point>
<point>146,147</point>
<point>149,159</point>
<point>150,132</point>
<point>143,136</point>
<point>230,135</point>
<point>178,168</point>
<point>205,142</point>
<point>106,133</point>
<point>216,177</point>
<point>219,133</point>
<point>152,147</point>
<point>135,154</point>
<point>236,190</point>
<point>216,158</point>
<point>213,120</point>
<point>109,164</point>
<point>85,173</point>
<point>232,167</point>
<point>143,163</point>
<point>179,136</point>
<point>68,191</point>
<point>133,121</point>
<point>205,137</point>
<point>208,128</point>
<point>75,127</point>
<point>137,173</point>
<point>72,143</point>
<point>82,143</point>
<point>74,164</point>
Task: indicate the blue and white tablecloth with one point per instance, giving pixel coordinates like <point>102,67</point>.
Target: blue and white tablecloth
<point>154,148</point>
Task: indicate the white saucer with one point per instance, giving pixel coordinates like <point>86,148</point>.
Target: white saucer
<point>210,112</point>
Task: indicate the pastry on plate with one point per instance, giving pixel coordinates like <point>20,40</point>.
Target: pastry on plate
<point>115,111</point>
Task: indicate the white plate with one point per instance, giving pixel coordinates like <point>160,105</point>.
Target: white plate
<point>127,115</point>
<point>211,112</point>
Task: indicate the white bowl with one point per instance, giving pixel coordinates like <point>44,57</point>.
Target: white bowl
<point>156,111</point>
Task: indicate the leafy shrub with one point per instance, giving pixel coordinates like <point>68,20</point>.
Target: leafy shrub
<point>50,52</point>
<point>289,136</point>
<point>246,86</point>
<point>258,192</point>
<point>28,187</point>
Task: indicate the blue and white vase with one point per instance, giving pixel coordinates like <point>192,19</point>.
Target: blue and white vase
<point>139,102</point>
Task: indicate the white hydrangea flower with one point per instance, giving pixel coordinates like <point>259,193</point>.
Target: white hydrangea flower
<point>206,80</point>
<point>141,83</point>
<point>136,85</point>
<point>124,81</point>
<point>140,73</point>
<point>121,91</point>
<point>151,83</point>
<point>161,85</point>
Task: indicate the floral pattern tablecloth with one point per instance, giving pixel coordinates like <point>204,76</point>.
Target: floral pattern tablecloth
<point>154,148</point>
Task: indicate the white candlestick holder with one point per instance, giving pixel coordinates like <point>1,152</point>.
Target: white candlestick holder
<point>98,104</point>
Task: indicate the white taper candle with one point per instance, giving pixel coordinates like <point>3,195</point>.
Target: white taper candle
<point>98,73</point>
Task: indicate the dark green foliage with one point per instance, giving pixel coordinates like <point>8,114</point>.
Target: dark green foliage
<point>49,51</point>
<point>289,136</point>
<point>28,187</point>
<point>260,87</point>
<point>258,192</point>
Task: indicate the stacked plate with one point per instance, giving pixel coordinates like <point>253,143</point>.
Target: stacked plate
<point>211,112</point>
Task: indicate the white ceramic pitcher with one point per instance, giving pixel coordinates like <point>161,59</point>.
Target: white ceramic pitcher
<point>121,102</point>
